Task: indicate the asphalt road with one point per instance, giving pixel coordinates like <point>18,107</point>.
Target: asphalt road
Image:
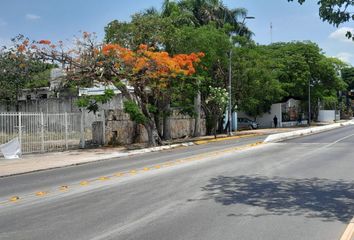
<point>298,189</point>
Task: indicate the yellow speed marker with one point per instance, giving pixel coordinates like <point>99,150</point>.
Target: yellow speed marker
<point>64,188</point>
<point>118,174</point>
<point>41,193</point>
<point>84,183</point>
<point>104,178</point>
<point>14,199</point>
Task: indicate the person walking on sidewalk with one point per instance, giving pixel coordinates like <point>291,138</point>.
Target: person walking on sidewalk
<point>275,120</point>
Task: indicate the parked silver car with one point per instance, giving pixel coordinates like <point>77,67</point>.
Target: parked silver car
<point>245,123</point>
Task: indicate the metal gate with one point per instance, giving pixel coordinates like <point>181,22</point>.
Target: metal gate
<point>42,132</point>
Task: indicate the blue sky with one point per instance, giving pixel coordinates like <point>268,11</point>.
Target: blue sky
<point>62,19</point>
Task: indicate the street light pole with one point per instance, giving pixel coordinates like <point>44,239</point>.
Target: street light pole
<point>309,102</point>
<point>229,112</point>
<point>229,117</point>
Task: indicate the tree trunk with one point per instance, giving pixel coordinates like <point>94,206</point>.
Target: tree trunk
<point>215,119</point>
<point>153,135</point>
<point>197,109</point>
<point>167,122</point>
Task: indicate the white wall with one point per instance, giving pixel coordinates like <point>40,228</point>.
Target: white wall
<point>266,120</point>
<point>326,115</point>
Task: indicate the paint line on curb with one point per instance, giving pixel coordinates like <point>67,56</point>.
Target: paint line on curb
<point>200,142</point>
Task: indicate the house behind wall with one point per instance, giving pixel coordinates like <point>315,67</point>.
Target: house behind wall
<point>266,120</point>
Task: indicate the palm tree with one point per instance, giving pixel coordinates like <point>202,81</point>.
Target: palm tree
<point>203,12</point>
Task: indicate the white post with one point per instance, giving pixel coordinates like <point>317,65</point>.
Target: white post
<point>66,130</point>
<point>103,127</point>
<point>20,129</point>
<point>42,132</point>
<point>82,129</point>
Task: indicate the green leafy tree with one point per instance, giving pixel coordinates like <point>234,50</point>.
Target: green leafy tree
<point>215,105</point>
<point>19,69</point>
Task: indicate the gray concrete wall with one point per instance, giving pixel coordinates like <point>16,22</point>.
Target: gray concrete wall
<point>121,130</point>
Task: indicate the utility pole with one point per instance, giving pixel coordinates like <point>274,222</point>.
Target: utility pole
<point>309,102</point>
<point>229,112</point>
<point>229,115</point>
<point>271,32</point>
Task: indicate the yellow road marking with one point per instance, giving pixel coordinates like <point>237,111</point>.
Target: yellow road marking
<point>84,183</point>
<point>119,174</point>
<point>157,166</point>
<point>103,178</point>
<point>64,188</point>
<point>146,169</point>
<point>133,172</point>
<point>41,193</point>
<point>14,199</point>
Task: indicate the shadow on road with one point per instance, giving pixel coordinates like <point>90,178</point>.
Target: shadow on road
<point>313,198</point>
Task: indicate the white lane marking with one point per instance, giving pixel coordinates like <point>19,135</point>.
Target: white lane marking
<point>339,140</point>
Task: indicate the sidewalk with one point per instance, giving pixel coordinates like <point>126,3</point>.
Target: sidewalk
<point>38,162</point>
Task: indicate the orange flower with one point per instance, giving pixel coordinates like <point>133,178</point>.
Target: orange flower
<point>46,42</point>
<point>21,48</point>
<point>109,49</point>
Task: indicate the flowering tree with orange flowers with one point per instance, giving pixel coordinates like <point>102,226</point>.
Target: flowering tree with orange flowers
<point>150,73</point>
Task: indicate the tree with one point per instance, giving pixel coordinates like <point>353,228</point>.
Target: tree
<point>255,80</point>
<point>348,77</point>
<point>148,71</point>
<point>215,105</point>
<point>264,75</point>
<point>20,69</point>
<point>204,12</point>
<point>212,71</point>
<point>335,12</point>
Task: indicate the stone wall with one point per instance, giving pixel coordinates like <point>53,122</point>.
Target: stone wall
<point>121,130</point>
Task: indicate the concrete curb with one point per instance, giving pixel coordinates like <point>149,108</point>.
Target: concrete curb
<point>312,130</point>
<point>349,231</point>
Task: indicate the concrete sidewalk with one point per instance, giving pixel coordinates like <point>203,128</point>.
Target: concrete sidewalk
<point>37,162</point>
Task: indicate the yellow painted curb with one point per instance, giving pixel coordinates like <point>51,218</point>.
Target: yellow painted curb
<point>349,231</point>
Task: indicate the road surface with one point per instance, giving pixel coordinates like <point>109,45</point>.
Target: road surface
<point>298,189</point>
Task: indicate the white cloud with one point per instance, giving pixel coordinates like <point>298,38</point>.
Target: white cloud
<point>339,34</point>
<point>345,57</point>
<point>32,17</point>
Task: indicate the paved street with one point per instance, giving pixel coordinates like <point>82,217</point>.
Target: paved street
<point>298,189</point>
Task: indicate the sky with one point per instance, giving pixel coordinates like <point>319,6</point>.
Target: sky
<point>62,19</point>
